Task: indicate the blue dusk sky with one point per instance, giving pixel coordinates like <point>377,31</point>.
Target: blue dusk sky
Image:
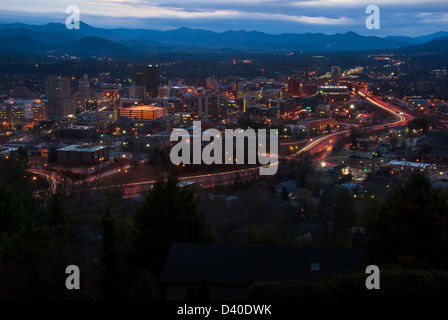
<point>407,17</point>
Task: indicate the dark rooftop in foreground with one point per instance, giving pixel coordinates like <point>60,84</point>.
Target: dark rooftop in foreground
<point>235,264</point>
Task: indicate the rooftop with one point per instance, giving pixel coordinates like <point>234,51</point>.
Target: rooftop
<point>235,264</point>
<point>332,86</point>
<point>409,164</point>
<point>82,148</point>
<point>146,108</point>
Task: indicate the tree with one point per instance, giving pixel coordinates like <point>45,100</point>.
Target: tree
<point>9,209</point>
<point>304,168</point>
<point>354,134</point>
<point>284,194</point>
<point>111,275</point>
<point>339,144</point>
<point>169,213</point>
<point>393,140</point>
<point>411,223</point>
<point>419,124</point>
<point>264,236</point>
<point>343,212</point>
<point>144,287</point>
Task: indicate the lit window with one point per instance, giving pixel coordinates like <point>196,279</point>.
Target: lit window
<point>315,266</point>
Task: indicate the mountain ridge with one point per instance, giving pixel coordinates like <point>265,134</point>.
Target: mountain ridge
<point>120,41</point>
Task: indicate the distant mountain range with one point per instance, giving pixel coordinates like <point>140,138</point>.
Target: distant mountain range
<point>56,39</point>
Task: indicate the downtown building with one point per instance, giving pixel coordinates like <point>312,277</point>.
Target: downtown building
<point>79,155</point>
<point>84,89</point>
<point>335,75</point>
<point>139,112</point>
<point>317,125</point>
<point>19,112</point>
<point>60,101</point>
<point>148,76</point>
<point>332,93</point>
<point>209,105</point>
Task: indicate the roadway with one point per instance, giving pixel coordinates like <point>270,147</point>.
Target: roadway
<point>326,141</point>
<point>48,176</point>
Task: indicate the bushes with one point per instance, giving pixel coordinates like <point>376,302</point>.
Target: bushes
<point>393,284</point>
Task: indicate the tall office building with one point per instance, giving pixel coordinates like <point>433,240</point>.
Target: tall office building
<point>84,88</point>
<point>335,75</point>
<point>40,110</point>
<point>60,101</point>
<point>294,88</point>
<point>148,76</point>
<point>12,113</point>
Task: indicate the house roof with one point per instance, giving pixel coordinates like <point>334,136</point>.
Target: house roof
<point>235,264</point>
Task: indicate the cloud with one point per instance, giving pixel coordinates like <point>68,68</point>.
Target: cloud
<point>365,3</point>
<point>143,9</point>
<point>274,16</point>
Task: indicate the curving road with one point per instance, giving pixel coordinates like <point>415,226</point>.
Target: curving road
<point>319,142</point>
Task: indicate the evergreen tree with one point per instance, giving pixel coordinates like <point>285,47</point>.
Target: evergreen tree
<point>354,139</point>
<point>284,194</point>
<point>411,224</point>
<point>305,168</point>
<point>169,213</point>
<point>343,213</point>
<point>144,287</point>
<point>110,288</point>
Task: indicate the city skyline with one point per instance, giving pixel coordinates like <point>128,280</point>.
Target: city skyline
<point>409,18</point>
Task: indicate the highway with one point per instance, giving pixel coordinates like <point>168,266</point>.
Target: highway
<point>49,177</point>
<point>402,117</point>
<point>326,141</point>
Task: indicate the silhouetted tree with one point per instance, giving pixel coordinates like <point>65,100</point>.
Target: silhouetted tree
<point>412,221</point>
<point>304,168</point>
<point>354,135</point>
<point>169,213</point>
<point>144,287</point>
<point>343,212</point>
<point>111,275</point>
